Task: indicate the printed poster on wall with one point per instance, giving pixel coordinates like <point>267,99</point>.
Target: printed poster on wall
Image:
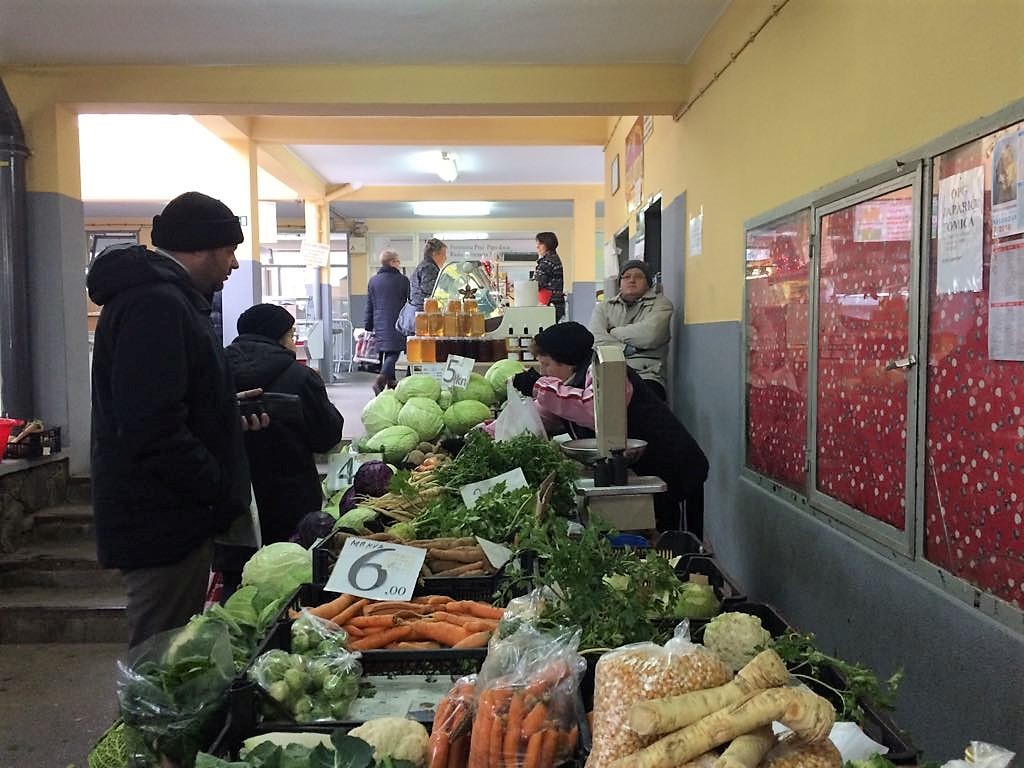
<point>635,166</point>
<point>1008,186</point>
<point>1006,302</point>
<point>961,226</point>
<point>696,233</point>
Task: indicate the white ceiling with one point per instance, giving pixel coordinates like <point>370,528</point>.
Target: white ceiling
<point>226,32</point>
<point>397,165</point>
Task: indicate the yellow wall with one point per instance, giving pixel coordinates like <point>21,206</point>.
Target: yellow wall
<point>825,90</point>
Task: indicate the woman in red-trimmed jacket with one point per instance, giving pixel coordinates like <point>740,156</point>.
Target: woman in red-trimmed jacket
<point>563,391</point>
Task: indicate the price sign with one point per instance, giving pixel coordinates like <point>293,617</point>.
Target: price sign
<point>376,570</point>
<point>456,372</point>
<point>512,479</point>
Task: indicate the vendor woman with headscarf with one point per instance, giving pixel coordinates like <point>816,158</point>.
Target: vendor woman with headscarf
<point>563,391</point>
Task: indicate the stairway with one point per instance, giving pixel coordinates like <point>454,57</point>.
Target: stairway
<point>52,590</point>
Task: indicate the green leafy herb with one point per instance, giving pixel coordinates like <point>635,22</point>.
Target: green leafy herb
<point>805,660</point>
<point>497,515</point>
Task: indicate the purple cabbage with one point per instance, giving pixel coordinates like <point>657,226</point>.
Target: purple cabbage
<point>372,479</point>
<point>348,501</point>
<point>312,527</point>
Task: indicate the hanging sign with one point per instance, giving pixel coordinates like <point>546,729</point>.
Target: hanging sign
<point>376,570</point>
<point>635,166</point>
<point>315,254</point>
<point>961,226</point>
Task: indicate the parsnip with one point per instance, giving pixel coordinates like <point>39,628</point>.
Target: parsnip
<point>748,750</point>
<point>810,716</point>
<point>765,670</point>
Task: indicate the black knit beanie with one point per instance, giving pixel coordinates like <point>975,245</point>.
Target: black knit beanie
<point>196,222</point>
<point>267,320</point>
<point>568,343</point>
<point>643,266</point>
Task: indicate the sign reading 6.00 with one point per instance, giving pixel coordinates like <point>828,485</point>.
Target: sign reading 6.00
<point>376,570</point>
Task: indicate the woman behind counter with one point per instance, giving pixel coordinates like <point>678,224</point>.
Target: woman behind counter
<point>549,274</point>
<point>564,394</point>
<point>421,284</point>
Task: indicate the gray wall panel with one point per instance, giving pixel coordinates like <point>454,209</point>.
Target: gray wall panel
<point>57,320</point>
<point>581,301</point>
<point>357,301</point>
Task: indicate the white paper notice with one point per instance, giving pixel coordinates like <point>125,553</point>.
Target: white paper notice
<point>512,479</point>
<point>697,233</point>
<point>1006,302</point>
<point>1008,186</point>
<point>961,226</point>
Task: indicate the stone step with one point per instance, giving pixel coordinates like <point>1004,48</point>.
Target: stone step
<point>79,489</point>
<point>75,615</point>
<point>70,521</point>
<point>56,563</point>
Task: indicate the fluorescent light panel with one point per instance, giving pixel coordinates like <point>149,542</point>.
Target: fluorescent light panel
<point>452,208</point>
<point>461,235</point>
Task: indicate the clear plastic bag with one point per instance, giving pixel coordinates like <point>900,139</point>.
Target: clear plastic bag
<point>519,415</point>
<point>318,680</point>
<point>981,754</point>
<point>172,688</point>
<point>453,724</point>
<point>528,708</point>
<point>641,672</point>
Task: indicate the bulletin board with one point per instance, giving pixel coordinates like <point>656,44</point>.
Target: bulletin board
<point>778,303</point>
<point>974,465</point>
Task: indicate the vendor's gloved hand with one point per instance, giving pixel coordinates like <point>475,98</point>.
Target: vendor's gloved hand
<point>524,381</point>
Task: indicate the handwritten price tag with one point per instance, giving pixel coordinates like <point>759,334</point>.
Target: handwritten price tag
<point>456,372</point>
<point>376,570</point>
<point>512,479</point>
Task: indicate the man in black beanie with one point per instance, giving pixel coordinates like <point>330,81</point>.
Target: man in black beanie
<point>168,466</point>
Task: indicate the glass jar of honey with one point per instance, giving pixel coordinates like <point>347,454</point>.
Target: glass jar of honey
<point>430,306</point>
<point>435,324</point>
<point>454,307</point>
<point>469,305</point>
<point>428,350</point>
<point>451,324</point>
<point>422,324</point>
<point>414,349</point>
<point>476,324</point>
<point>465,322</point>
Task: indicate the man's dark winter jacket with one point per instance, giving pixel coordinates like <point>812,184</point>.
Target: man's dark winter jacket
<point>284,474</point>
<point>168,465</point>
<point>386,294</point>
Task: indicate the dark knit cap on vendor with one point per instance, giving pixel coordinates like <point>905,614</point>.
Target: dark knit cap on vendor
<point>267,320</point>
<point>643,266</point>
<point>568,343</point>
<point>196,222</point>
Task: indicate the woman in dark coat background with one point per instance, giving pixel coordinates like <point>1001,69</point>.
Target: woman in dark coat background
<point>386,294</point>
<point>435,253</point>
<point>283,469</point>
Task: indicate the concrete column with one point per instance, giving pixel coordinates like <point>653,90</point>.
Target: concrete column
<point>584,280</point>
<point>245,286</point>
<point>318,230</point>
<point>57,332</point>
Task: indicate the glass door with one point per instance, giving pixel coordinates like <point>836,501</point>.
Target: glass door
<point>865,351</point>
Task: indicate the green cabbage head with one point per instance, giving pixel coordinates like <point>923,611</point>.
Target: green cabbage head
<point>417,385</point>
<point>477,388</point>
<point>381,412</point>
<point>394,442</point>
<point>499,373</point>
<point>464,415</point>
<point>424,415</point>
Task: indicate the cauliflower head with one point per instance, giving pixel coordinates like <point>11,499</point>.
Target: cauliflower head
<point>395,737</point>
<point>736,638</point>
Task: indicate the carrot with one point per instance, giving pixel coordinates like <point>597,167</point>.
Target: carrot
<point>458,757</point>
<point>334,607</point>
<point>478,640</point>
<point>382,639</point>
<point>548,748</point>
<point>480,738</point>
<point>390,607</point>
<point>439,631</point>
<point>534,721</point>
<point>452,618</point>
<point>533,749</point>
<point>568,742</point>
<point>355,632</point>
<point>438,748</point>
<point>479,625</point>
<point>478,610</point>
<point>461,570</point>
<point>496,741</point>
<point>415,645</point>
<point>349,613</point>
<point>510,748</point>
<point>385,620</point>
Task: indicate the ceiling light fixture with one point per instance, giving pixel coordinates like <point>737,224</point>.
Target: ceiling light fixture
<point>447,170</point>
<point>461,235</point>
<point>452,208</point>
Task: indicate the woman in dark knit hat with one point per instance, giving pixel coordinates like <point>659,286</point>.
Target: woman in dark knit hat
<point>284,474</point>
<point>564,394</point>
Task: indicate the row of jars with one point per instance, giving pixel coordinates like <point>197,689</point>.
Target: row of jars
<point>432,349</point>
<point>460,319</point>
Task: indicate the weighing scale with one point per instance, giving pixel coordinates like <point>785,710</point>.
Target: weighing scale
<point>615,494</point>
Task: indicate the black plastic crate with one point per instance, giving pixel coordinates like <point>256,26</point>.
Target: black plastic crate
<point>706,566</point>
<point>480,588</point>
<point>680,544</point>
<point>45,443</point>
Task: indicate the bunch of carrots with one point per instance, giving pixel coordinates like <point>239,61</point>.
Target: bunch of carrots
<point>423,623</point>
<point>525,724</point>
